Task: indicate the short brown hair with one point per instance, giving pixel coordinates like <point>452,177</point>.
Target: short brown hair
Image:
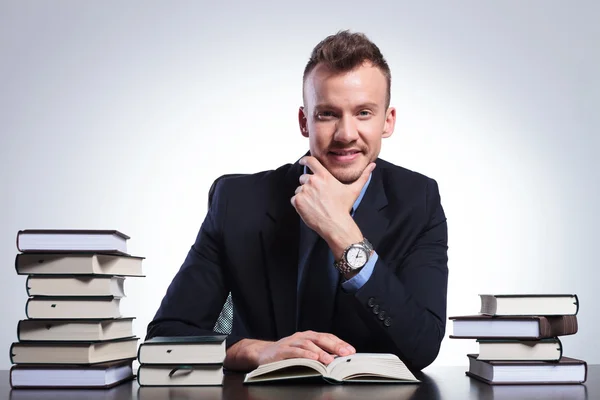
<point>345,51</point>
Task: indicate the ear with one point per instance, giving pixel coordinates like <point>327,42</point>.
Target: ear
<point>390,122</point>
<point>302,122</point>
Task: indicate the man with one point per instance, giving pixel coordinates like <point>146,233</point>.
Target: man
<point>337,253</point>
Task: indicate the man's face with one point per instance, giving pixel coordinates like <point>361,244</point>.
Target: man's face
<point>345,117</point>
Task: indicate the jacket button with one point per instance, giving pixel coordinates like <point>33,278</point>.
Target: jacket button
<point>371,302</point>
<point>388,321</point>
<point>376,309</point>
<point>381,315</point>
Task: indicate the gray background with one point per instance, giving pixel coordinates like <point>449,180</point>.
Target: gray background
<point>119,115</point>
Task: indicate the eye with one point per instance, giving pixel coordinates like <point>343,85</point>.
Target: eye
<point>365,113</point>
<point>325,115</point>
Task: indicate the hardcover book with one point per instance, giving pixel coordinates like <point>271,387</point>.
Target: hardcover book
<point>81,285</point>
<point>514,327</point>
<point>180,375</point>
<point>74,329</point>
<point>361,367</point>
<point>73,352</point>
<point>566,371</point>
<point>183,350</point>
<point>72,240</point>
<point>72,307</point>
<point>78,264</point>
<point>104,375</point>
<point>529,304</point>
<point>520,350</point>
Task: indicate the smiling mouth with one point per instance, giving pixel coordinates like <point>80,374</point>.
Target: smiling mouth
<point>344,156</point>
<point>344,152</point>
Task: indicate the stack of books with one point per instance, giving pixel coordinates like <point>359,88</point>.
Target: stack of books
<point>182,361</point>
<point>518,337</point>
<point>74,335</point>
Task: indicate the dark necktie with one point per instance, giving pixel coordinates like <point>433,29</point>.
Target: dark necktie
<point>318,294</point>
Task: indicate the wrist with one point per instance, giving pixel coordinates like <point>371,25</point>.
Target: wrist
<point>343,236</point>
<point>244,355</point>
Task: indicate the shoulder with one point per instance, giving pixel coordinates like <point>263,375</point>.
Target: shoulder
<point>264,182</point>
<point>393,174</point>
<point>403,184</point>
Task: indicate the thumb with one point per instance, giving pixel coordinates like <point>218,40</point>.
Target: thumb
<point>360,182</point>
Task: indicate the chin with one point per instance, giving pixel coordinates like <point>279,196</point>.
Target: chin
<point>347,175</point>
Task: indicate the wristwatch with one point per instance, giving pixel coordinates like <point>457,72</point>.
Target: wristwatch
<point>354,257</point>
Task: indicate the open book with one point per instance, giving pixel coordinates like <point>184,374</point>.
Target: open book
<point>361,367</point>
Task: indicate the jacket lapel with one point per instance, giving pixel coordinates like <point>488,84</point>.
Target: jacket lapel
<point>280,235</point>
<point>368,216</point>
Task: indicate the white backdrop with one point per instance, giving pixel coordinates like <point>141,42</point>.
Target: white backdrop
<point>119,115</point>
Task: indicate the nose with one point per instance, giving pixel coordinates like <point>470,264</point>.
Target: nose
<point>346,131</point>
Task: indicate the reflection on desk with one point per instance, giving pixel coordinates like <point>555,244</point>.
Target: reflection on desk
<point>234,389</point>
<point>123,391</point>
<point>529,392</point>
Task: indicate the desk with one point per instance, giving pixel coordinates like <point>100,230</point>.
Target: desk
<point>437,383</point>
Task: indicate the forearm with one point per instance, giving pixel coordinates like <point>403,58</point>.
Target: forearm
<point>409,318</point>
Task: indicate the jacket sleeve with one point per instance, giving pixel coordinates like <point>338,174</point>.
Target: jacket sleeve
<point>195,297</point>
<point>404,301</point>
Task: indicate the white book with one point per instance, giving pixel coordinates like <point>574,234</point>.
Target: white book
<point>72,307</point>
<point>529,304</point>
<point>104,375</point>
<point>74,330</point>
<point>567,370</point>
<point>72,240</point>
<point>83,285</point>
<point>72,352</point>
<point>188,375</point>
<point>207,349</point>
<point>78,264</point>
<point>520,350</point>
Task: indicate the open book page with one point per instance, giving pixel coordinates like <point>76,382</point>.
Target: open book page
<point>369,367</point>
<point>286,369</point>
<point>361,367</point>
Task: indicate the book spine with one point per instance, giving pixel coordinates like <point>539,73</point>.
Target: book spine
<point>27,288</point>
<point>560,348</point>
<point>26,308</point>
<point>17,264</point>
<point>576,299</point>
<point>17,240</point>
<point>558,326</point>
<point>10,375</point>
<point>19,331</point>
<point>138,353</point>
<point>10,351</point>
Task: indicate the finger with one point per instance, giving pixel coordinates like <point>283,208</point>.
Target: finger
<point>332,344</point>
<point>293,201</point>
<point>304,179</point>
<point>296,352</point>
<point>308,344</point>
<point>314,165</point>
<point>298,189</point>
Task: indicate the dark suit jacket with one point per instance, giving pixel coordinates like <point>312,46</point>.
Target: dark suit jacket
<point>249,245</point>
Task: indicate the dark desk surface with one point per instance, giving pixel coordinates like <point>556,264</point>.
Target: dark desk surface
<point>437,383</point>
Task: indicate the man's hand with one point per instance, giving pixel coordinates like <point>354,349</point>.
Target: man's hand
<point>324,204</point>
<point>248,354</point>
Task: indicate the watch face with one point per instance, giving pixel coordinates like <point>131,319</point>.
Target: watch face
<point>356,257</point>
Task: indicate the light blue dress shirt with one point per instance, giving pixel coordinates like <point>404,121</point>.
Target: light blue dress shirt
<point>357,281</point>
